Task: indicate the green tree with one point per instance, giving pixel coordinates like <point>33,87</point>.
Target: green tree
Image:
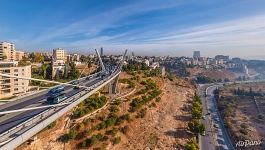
<point>74,73</point>
<point>44,71</point>
<point>191,145</point>
<point>66,69</point>
<point>196,127</point>
<point>196,113</point>
<point>37,57</point>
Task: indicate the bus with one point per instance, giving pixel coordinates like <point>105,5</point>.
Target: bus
<point>57,89</point>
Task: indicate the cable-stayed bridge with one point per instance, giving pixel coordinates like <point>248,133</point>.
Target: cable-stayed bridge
<point>25,117</point>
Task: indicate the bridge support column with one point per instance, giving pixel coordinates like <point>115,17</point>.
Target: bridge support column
<point>113,86</point>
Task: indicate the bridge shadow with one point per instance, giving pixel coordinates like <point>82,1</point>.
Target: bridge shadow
<point>182,118</point>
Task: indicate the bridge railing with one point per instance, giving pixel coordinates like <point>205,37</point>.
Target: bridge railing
<point>4,136</point>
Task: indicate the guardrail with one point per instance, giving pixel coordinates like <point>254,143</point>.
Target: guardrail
<point>74,99</point>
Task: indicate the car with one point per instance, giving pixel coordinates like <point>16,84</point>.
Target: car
<point>215,125</point>
<point>203,117</point>
<point>75,82</point>
<point>78,86</point>
<point>59,99</point>
<point>217,119</point>
<point>203,134</point>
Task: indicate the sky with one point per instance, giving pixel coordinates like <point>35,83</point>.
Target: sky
<point>147,27</point>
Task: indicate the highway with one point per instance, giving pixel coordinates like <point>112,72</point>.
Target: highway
<point>10,120</point>
<point>216,135</point>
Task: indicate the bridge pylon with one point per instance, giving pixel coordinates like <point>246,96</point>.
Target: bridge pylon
<point>113,85</point>
<point>103,69</point>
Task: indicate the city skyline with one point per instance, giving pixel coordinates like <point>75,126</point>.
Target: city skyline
<point>173,28</point>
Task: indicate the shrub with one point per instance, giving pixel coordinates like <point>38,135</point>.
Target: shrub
<point>116,140</point>
<point>125,129</point>
<point>51,125</point>
<point>158,99</point>
<point>126,117</point>
<point>243,131</point>
<point>72,134</point>
<point>191,145</point>
<point>112,132</point>
<point>114,108</point>
<point>142,113</point>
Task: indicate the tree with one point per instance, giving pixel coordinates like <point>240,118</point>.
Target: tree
<point>196,113</point>
<point>44,71</point>
<point>191,145</point>
<point>196,127</point>
<point>66,69</point>
<point>49,72</point>
<point>74,73</point>
<point>37,57</point>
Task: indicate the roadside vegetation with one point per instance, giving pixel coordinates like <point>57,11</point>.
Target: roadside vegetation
<point>195,125</point>
<point>242,104</point>
<point>89,105</point>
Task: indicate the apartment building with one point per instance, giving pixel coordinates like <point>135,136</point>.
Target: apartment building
<point>59,54</point>
<point>7,51</point>
<point>12,86</point>
<point>19,55</point>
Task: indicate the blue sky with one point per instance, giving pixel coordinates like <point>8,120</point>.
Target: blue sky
<point>149,27</point>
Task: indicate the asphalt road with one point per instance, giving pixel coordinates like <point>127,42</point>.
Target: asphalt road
<point>216,135</point>
<point>10,120</point>
<point>207,141</point>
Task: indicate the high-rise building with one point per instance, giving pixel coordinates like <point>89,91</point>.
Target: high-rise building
<point>59,54</point>
<point>196,54</point>
<point>13,86</point>
<point>101,51</point>
<point>7,51</point>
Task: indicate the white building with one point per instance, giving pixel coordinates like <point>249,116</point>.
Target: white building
<point>147,62</point>
<point>59,54</point>
<point>154,65</point>
<point>7,51</point>
<point>19,55</point>
<point>57,66</point>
